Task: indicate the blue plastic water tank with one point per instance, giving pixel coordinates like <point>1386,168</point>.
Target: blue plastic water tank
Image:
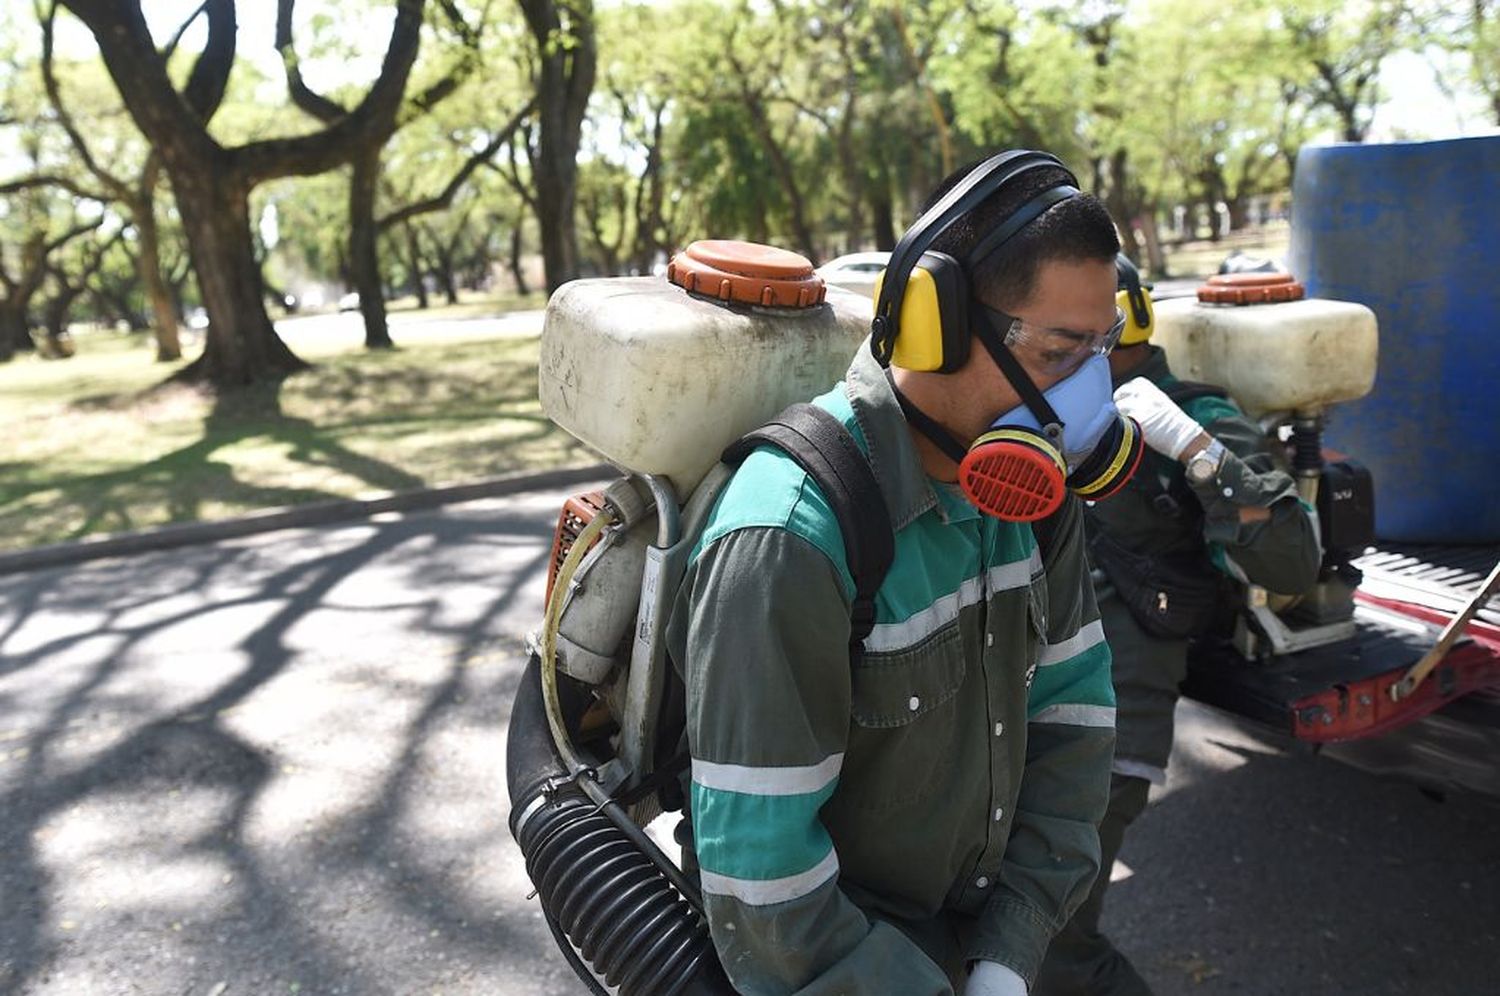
<point>1412,231</point>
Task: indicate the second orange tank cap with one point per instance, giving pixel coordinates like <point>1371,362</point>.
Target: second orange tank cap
<point>1250,288</point>
<point>747,273</point>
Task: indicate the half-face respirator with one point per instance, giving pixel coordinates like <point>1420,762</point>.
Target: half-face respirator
<point>1068,438</point>
<point>1022,467</point>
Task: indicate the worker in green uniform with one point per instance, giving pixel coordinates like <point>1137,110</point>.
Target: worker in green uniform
<point>1210,502</point>
<point>919,818</point>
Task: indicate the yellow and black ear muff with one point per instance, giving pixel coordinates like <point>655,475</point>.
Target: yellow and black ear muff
<point>1135,301</point>
<point>934,316</point>
<point>922,298</point>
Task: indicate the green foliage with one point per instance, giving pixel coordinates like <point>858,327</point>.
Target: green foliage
<point>822,122</point>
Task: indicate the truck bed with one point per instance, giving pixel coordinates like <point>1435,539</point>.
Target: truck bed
<point>1446,734</point>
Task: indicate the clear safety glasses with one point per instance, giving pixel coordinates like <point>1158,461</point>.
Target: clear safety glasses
<point>1054,352</point>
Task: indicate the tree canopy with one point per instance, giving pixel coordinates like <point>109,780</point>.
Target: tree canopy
<point>204,152</point>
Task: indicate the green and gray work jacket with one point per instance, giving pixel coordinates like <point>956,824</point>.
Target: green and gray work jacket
<point>1159,513</point>
<point>873,828</point>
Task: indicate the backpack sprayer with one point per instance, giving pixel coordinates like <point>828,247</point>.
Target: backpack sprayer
<point>659,376</point>
<point>1285,359</point>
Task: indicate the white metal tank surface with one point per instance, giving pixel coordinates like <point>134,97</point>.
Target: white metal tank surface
<point>659,380</point>
<point>1274,357</point>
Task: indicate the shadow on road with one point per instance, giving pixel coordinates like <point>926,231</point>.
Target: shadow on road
<point>1263,870</point>
<point>277,764</point>
<point>271,766</point>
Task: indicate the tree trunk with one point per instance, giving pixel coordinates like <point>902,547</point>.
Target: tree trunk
<point>55,321</point>
<point>1118,202</point>
<point>1156,260</point>
<point>212,183</point>
<point>241,345</point>
<point>883,213</point>
<point>15,337</point>
<point>565,78</point>
<point>414,267</point>
<point>1349,115</point>
<point>516,272</point>
<point>109,301</point>
<point>781,166</point>
<point>1239,212</point>
<point>364,262</point>
<point>445,254</point>
<point>556,184</point>
<point>148,265</point>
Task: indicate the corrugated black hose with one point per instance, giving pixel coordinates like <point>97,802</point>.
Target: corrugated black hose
<point>608,893</point>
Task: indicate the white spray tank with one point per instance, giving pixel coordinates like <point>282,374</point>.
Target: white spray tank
<point>659,376</point>
<point>1284,359</point>
<point>1274,351</point>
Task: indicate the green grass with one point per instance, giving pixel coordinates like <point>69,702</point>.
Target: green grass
<point>97,444</point>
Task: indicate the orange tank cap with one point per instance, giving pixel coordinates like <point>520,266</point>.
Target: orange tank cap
<point>1250,288</point>
<point>747,273</point>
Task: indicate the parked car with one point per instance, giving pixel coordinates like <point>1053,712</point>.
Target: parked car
<point>349,302</point>
<point>856,271</point>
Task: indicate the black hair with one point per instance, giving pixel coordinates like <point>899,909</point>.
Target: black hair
<point>1075,229</point>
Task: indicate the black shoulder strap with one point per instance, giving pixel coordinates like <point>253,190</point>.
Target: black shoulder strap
<point>1183,391</point>
<point>820,445</point>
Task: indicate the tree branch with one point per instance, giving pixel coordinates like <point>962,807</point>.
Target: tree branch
<point>73,233</point>
<point>53,180</point>
<point>49,80</point>
<point>304,97</point>
<point>514,177</point>
<point>139,71</point>
<point>210,76</point>
<point>166,53</point>
<point>371,121</point>
<point>443,199</point>
<point>439,91</point>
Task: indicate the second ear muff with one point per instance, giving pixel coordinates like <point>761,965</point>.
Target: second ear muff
<point>1133,299</point>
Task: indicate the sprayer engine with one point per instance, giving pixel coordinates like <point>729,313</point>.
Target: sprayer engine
<point>1342,493</point>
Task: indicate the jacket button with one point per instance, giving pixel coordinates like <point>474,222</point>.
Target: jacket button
<point>982,882</point>
<point>999,812</point>
<point>989,639</point>
<point>914,703</point>
<point>999,729</point>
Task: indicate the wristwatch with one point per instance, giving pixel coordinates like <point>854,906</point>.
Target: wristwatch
<point>1204,465</point>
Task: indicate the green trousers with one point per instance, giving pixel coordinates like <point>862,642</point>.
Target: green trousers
<point>1081,961</point>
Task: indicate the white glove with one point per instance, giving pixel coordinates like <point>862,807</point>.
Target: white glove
<point>990,978</point>
<point>1166,428</point>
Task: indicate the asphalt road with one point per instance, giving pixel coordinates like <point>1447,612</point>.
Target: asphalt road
<point>274,765</point>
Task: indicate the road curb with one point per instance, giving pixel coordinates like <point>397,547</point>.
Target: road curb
<point>294,516</point>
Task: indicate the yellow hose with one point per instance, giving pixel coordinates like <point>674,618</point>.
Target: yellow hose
<point>553,621</point>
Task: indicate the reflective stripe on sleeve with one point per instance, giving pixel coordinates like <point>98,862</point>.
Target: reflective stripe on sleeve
<point>767,892</point>
<point>1087,637</point>
<point>1072,714</point>
<point>798,780</point>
